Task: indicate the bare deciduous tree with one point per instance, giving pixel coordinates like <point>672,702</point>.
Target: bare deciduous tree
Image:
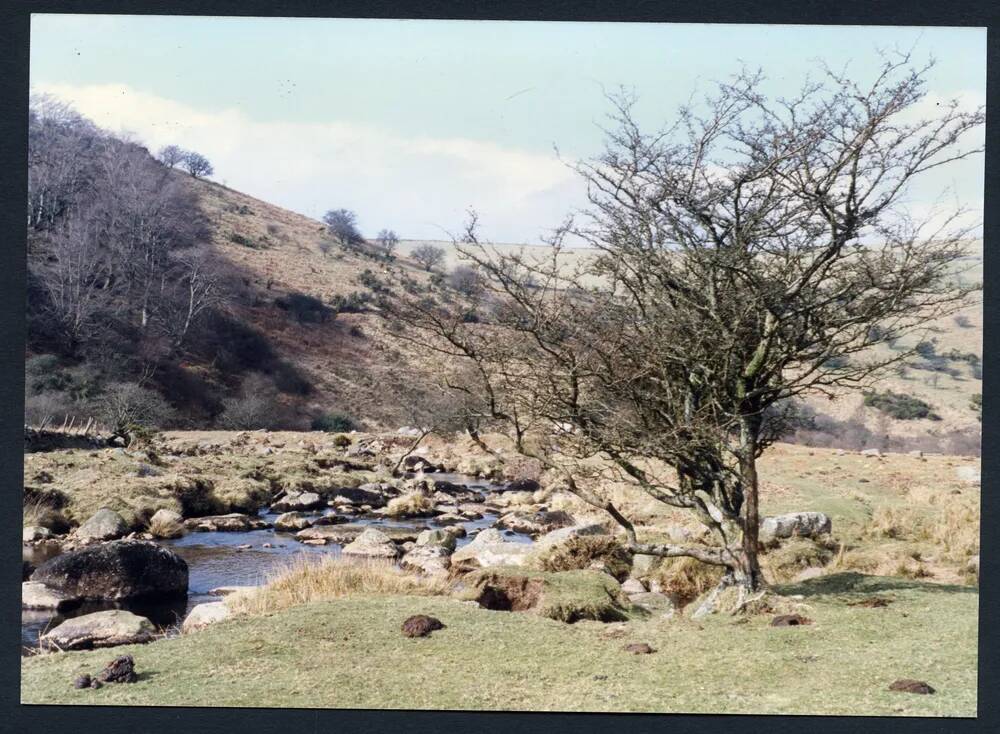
<point>386,242</point>
<point>171,155</point>
<point>197,165</point>
<point>342,224</point>
<point>429,256</point>
<point>743,252</point>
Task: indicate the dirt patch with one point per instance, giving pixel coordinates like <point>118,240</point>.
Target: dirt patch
<point>790,620</point>
<point>908,685</point>
<point>510,594</point>
<point>874,602</point>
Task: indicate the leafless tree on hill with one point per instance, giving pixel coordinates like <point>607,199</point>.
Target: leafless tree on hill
<point>740,251</point>
<point>429,256</point>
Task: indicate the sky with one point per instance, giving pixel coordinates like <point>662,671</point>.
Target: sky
<point>410,123</point>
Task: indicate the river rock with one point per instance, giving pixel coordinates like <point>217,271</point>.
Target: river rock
<point>205,614</point>
<point>291,521</point>
<point>798,524</point>
<point>100,629</point>
<point>234,522</point>
<point>346,533</point>
<point>441,538</point>
<point>535,523</point>
<point>573,531</point>
<point>105,524</point>
<point>35,595</point>
<point>35,532</point>
<point>122,569</point>
<point>369,494</point>
<point>227,590</point>
<point>489,548</point>
<point>164,518</point>
<point>298,501</point>
<point>372,543</point>
<point>523,485</point>
<point>432,560</point>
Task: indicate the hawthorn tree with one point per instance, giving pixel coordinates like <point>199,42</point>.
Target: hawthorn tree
<point>196,164</point>
<point>343,226</point>
<point>386,242</point>
<point>744,254</point>
<point>429,256</point>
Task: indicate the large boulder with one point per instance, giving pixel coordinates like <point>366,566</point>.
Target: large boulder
<point>122,569</point>
<point>203,615</point>
<point>489,548</point>
<point>100,629</point>
<point>372,543</point>
<point>35,595</point>
<point>104,524</point>
<point>536,523</point>
<point>795,524</point>
<point>432,560</point>
<point>298,501</point>
<point>234,522</point>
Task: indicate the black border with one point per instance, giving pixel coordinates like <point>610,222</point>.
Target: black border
<point>14,35</point>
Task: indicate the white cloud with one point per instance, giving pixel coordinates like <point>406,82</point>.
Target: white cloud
<point>418,186</point>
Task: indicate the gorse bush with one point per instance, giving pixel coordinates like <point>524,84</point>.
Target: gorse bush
<point>305,308</point>
<point>333,423</point>
<point>900,407</point>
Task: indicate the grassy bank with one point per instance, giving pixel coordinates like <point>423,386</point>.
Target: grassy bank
<point>350,653</point>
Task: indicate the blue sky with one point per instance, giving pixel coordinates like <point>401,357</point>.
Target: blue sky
<point>411,122</point>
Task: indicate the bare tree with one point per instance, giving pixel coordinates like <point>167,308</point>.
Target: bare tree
<point>198,287</point>
<point>742,251</point>
<point>197,165</point>
<point>171,155</point>
<point>429,256</point>
<point>342,224</point>
<point>386,242</point>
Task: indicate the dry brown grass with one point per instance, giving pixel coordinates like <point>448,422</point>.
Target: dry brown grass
<point>414,503</point>
<point>948,522</point>
<point>580,552</point>
<point>306,580</point>
<point>165,528</point>
<point>686,578</point>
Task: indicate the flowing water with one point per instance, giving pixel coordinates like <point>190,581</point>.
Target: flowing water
<point>217,559</point>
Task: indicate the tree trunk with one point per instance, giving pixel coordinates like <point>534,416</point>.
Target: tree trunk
<point>749,574</point>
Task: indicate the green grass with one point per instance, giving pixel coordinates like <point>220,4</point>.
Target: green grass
<point>350,653</point>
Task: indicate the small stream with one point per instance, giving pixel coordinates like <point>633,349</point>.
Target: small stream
<point>215,559</point>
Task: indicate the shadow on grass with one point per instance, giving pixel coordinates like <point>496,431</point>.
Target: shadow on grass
<point>852,583</point>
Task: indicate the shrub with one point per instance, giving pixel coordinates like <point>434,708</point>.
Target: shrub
<point>333,423</point>
<point>926,349</point>
<point>976,403</point>
<point>305,308</point>
<point>900,407</point>
<point>130,409</point>
<point>247,413</point>
<point>244,241</point>
<point>342,440</point>
<point>686,578</point>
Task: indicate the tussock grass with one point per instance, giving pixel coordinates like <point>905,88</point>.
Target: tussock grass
<point>686,578</point>
<point>408,505</point>
<point>580,552</point>
<point>165,528</point>
<point>306,580</point>
<point>948,522</point>
<point>795,555</point>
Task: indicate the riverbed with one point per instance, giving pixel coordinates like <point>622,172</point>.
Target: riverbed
<point>222,559</point>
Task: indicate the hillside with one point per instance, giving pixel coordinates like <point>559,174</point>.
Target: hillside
<point>355,367</point>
